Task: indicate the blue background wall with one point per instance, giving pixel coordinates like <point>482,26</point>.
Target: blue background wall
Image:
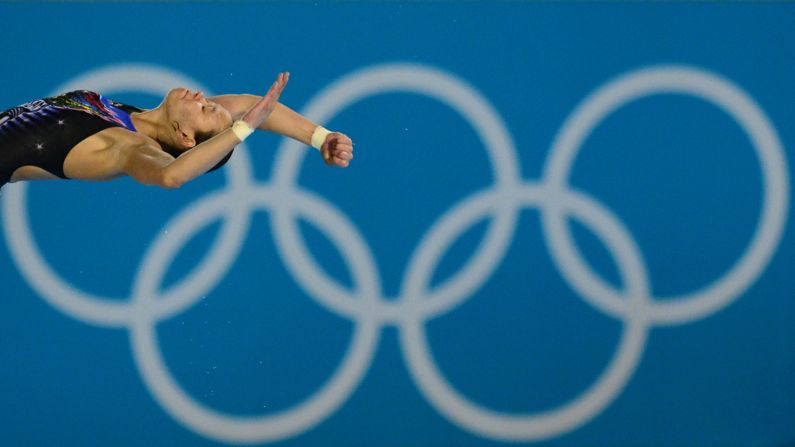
<point>677,171</point>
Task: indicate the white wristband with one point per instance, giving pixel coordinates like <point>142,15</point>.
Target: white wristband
<point>319,136</point>
<point>241,129</point>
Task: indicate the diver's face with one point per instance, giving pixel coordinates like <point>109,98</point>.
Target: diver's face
<point>190,113</point>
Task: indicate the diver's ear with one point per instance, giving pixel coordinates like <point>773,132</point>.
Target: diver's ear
<point>186,140</point>
<point>183,137</point>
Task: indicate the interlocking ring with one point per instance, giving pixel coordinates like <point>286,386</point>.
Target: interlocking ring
<point>417,303</point>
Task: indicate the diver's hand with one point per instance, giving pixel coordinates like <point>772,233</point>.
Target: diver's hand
<point>260,111</point>
<point>337,150</point>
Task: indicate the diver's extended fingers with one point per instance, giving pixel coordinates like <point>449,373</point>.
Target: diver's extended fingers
<point>262,109</point>
<point>276,88</point>
<point>273,92</point>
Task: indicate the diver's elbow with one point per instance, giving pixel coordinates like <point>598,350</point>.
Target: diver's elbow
<point>171,181</point>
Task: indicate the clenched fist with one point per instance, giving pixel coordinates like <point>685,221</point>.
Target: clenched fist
<point>337,149</point>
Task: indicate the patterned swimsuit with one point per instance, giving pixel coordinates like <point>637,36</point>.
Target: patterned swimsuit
<point>41,133</point>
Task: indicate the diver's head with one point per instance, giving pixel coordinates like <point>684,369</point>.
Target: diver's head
<point>192,118</point>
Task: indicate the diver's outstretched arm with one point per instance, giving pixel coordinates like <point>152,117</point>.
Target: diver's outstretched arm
<point>337,149</point>
<point>283,121</point>
<point>147,163</point>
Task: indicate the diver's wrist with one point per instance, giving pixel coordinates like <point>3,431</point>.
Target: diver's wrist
<point>242,130</point>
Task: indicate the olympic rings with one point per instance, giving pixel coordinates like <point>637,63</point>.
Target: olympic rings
<point>418,302</point>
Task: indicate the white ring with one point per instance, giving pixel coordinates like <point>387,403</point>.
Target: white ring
<point>543,425</point>
<point>743,109</point>
<point>231,428</point>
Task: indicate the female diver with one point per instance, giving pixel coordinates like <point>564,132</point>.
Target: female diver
<point>84,135</point>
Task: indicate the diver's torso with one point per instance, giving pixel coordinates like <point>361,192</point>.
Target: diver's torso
<point>36,138</point>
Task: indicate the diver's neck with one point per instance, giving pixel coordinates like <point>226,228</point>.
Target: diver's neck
<point>152,123</point>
